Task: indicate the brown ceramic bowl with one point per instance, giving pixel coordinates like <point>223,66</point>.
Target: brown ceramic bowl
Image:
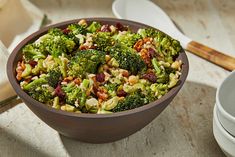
<point>93,128</point>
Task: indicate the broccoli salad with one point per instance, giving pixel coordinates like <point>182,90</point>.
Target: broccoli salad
<point>99,68</point>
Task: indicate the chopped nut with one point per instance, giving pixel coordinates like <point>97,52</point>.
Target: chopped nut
<point>82,22</point>
<point>133,79</point>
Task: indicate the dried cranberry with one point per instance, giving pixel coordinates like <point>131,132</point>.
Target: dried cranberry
<point>59,92</point>
<point>121,93</point>
<point>66,31</point>
<point>120,27</point>
<point>100,77</point>
<point>105,28</point>
<point>150,76</point>
<point>33,63</point>
<point>151,52</point>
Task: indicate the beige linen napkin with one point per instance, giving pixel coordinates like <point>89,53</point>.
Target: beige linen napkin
<point>6,90</point>
<point>19,18</point>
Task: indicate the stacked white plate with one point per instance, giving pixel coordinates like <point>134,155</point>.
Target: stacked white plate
<point>224,116</point>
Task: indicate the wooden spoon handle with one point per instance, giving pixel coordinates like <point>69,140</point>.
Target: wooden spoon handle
<point>214,56</point>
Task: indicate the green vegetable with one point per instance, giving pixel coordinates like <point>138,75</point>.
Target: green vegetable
<point>85,83</point>
<point>56,102</point>
<point>32,52</point>
<point>94,26</point>
<point>39,68</point>
<point>53,78</point>
<point>74,94</point>
<point>39,90</point>
<point>127,58</point>
<point>86,61</point>
<point>156,66</point>
<point>173,80</point>
<point>147,32</point>
<point>35,83</point>
<point>103,41</point>
<point>131,101</point>
<point>111,103</point>
<point>92,105</point>
<point>27,71</point>
<point>77,29</point>
<point>128,38</point>
<point>56,43</point>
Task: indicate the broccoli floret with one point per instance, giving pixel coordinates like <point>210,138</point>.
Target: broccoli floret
<point>112,88</point>
<point>76,32</point>
<point>32,52</point>
<point>55,32</point>
<point>74,95</point>
<point>127,58</point>
<point>77,29</point>
<point>53,77</point>
<point>94,26</point>
<point>103,41</point>
<point>39,90</point>
<point>148,32</point>
<point>128,38</point>
<point>85,61</point>
<point>35,83</point>
<point>42,94</point>
<point>56,43</point>
<point>39,68</point>
<point>131,101</point>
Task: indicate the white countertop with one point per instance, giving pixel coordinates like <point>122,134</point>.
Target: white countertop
<point>184,128</point>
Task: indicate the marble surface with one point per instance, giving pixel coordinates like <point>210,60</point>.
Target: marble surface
<point>184,128</point>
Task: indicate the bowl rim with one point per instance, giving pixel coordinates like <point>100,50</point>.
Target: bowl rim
<point>218,125</point>
<point>24,95</point>
<point>219,105</point>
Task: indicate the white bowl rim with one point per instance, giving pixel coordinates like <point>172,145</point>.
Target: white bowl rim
<point>218,104</point>
<point>221,128</point>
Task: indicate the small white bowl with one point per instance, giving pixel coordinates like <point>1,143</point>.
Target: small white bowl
<point>225,101</point>
<point>225,140</point>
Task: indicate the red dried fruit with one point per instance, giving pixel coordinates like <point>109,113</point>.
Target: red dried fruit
<point>33,63</point>
<point>151,77</point>
<point>66,31</point>
<point>151,52</point>
<point>121,93</point>
<point>120,27</point>
<point>59,92</point>
<point>100,77</point>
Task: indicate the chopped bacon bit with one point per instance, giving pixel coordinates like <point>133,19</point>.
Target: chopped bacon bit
<point>138,45</point>
<point>105,28</point>
<point>121,93</point>
<point>150,76</point>
<point>100,77</point>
